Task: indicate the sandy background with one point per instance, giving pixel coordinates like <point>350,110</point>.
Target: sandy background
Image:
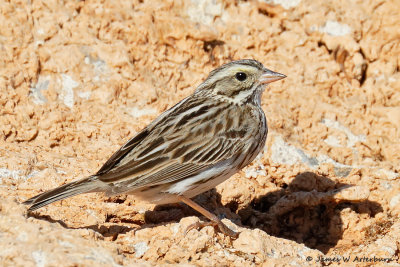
<point>79,79</point>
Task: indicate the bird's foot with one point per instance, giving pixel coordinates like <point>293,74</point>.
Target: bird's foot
<point>216,224</point>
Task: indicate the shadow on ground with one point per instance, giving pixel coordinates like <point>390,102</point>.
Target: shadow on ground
<point>317,226</point>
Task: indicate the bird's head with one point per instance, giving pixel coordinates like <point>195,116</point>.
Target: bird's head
<point>239,80</point>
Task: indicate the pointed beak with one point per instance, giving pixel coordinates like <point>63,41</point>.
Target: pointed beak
<point>270,76</point>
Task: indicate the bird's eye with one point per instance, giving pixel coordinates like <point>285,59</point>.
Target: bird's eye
<point>241,76</point>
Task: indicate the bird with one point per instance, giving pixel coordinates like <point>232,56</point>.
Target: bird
<point>190,148</point>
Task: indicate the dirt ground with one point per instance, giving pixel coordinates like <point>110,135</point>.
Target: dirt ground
<point>78,79</point>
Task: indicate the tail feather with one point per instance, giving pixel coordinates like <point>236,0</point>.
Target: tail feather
<point>85,185</point>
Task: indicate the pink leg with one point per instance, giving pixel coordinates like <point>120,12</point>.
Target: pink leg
<point>214,219</point>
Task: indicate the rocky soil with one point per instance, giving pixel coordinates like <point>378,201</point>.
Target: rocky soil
<point>79,78</point>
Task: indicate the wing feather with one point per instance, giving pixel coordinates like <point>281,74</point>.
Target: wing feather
<point>177,147</point>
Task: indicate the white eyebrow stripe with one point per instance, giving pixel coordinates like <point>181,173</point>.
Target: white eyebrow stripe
<point>229,71</point>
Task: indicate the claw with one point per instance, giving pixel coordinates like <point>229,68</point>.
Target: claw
<point>221,227</point>
<point>199,225</point>
<point>213,219</point>
<point>226,230</point>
